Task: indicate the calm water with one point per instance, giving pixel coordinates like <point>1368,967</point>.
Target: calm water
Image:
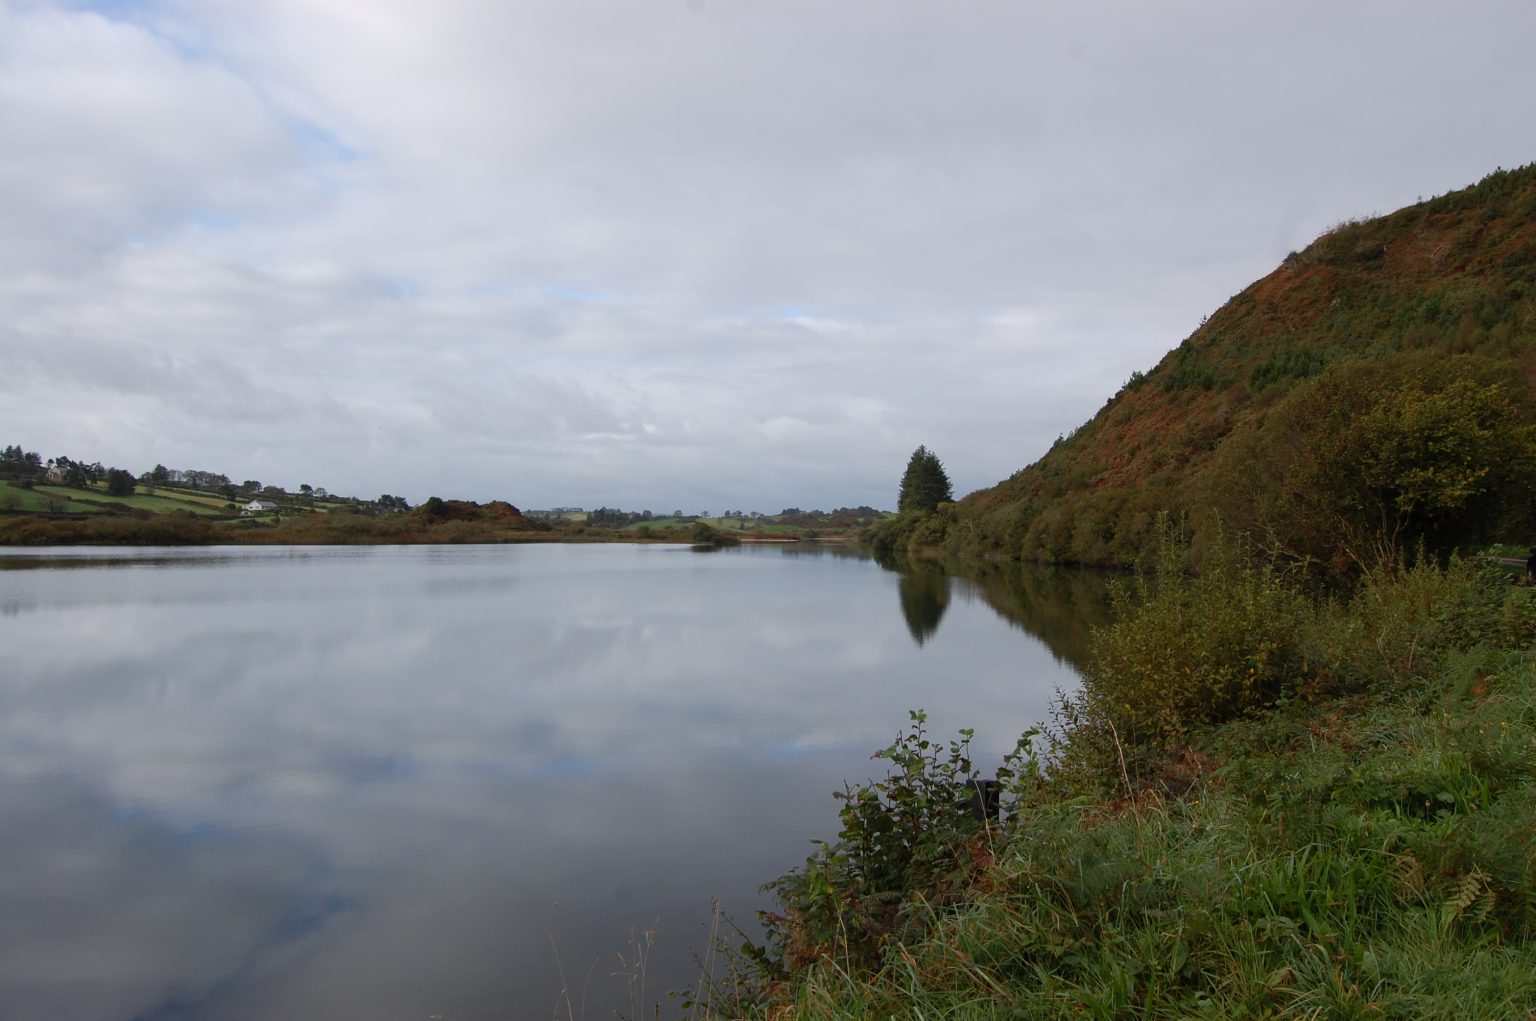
<point>428,782</point>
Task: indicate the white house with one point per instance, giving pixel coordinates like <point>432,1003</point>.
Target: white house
<point>258,507</point>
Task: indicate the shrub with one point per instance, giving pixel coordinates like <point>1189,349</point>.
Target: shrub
<point>1190,651</point>
<point>1183,652</point>
<point>896,535</point>
<point>912,837</point>
<point>1290,364</point>
<point>1401,622</point>
<point>1437,459</point>
<point>705,535</point>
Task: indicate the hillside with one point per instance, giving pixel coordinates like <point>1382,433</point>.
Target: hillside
<point>1374,390</point>
<point>1278,792</point>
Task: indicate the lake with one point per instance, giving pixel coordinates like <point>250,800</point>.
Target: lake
<point>457,782</point>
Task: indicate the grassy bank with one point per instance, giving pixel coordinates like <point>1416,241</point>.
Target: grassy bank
<point>1264,803</point>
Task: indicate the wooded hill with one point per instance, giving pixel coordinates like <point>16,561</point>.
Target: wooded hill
<point>1373,392</point>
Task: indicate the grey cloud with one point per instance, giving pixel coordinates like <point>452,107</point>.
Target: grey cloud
<point>111,134</point>
<point>604,250</point>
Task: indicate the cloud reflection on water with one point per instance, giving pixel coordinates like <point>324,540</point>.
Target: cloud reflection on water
<point>437,748</point>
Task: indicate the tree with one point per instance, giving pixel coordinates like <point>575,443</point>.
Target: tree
<point>925,484</point>
<point>1438,462</point>
<point>20,464</point>
<point>433,510</point>
<point>74,472</point>
<point>120,482</point>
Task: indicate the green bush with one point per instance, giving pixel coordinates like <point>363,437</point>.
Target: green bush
<point>1186,652</point>
<point>1401,622</point>
<point>909,838</point>
<point>909,530</point>
<point>704,534</point>
<point>1290,364</point>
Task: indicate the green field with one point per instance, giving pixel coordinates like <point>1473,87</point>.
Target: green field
<point>14,497</point>
<point>165,501</point>
<point>659,523</point>
<point>96,500</point>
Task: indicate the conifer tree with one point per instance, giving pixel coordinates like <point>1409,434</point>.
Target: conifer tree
<point>924,485</point>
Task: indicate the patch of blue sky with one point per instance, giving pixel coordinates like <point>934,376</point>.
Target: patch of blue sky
<point>576,295</point>
<point>321,145</point>
<point>214,221</point>
<point>325,157</point>
<point>150,17</point>
<point>117,10</point>
<point>401,289</point>
<point>207,221</point>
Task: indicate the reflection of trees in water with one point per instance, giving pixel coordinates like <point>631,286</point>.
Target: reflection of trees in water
<point>1059,606</point>
<point>924,598</point>
<point>837,550</point>
<point>834,550</point>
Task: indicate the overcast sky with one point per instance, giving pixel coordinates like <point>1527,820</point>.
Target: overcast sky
<point>696,254</point>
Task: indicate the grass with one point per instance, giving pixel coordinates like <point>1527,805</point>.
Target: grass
<point>96,500</point>
<point>1359,843</point>
<point>41,498</point>
<point>163,502</point>
<point>1381,868</point>
<point>184,495</point>
<point>158,499</point>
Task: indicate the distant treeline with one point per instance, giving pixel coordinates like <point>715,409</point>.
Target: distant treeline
<point>28,468</point>
<point>435,521</point>
<point>63,499</point>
